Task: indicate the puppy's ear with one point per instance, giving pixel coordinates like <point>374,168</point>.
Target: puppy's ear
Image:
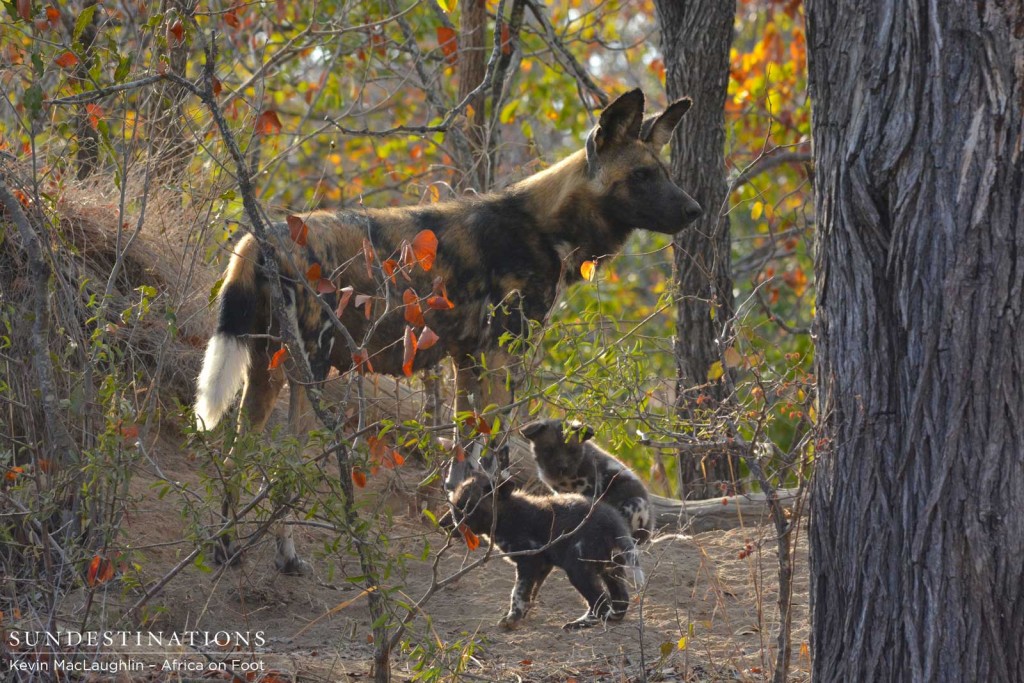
<point>531,430</point>
<point>576,431</point>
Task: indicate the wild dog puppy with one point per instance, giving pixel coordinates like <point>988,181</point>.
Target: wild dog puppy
<point>568,462</point>
<point>499,257</point>
<point>587,540</point>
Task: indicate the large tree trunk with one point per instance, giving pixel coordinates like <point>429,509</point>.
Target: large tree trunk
<point>696,37</point>
<point>917,532</point>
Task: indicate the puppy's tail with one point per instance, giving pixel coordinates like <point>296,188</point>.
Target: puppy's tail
<point>630,558</point>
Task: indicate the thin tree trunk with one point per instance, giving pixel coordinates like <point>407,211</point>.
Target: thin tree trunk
<point>696,37</point>
<point>87,157</point>
<point>173,142</point>
<point>917,527</point>
<point>472,66</point>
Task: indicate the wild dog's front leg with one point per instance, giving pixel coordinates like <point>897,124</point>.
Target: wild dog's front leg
<point>300,420</point>
<point>530,573</point>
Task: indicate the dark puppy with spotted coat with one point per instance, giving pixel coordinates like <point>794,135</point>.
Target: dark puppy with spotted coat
<point>589,541</point>
<point>568,462</point>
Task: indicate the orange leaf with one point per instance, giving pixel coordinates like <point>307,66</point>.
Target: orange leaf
<point>506,40</point>
<point>45,465</point>
<point>368,257</point>
<point>587,270</point>
<point>298,230</point>
<point>13,473</point>
<point>25,9</point>
<point>268,123</point>
<point>52,15</point>
<point>279,357</point>
<point>449,45</point>
<point>407,257</point>
<point>313,274</point>
<point>393,459</point>
<point>106,572</point>
<point>231,18</point>
<point>472,541</point>
<point>366,301</point>
<point>66,60</point>
<point>94,567</point>
<point>476,421</point>
<point>177,32</point>
<point>389,266</point>
<point>377,446</point>
<point>346,294</point>
<point>439,300</point>
<point>424,248</point>
<point>325,286</point>
<point>95,113</point>
<point>409,350</point>
<point>216,86</point>
<point>359,478</point>
<point>361,359</point>
<point>130,433</point>
<point>427,338</point>
<point>439,303</point>
<point>413,312</point>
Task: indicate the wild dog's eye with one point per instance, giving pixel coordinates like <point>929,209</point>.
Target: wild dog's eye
<point>642,175</point>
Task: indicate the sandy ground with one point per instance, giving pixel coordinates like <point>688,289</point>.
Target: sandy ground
<point>705,613</point>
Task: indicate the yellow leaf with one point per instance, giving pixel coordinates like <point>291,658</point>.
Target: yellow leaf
<point>756,210</point>
<point>435,194</point>
<point>682,643</point>
<point>587,270</point>
<point>715,371</point>
<point>732,358</point>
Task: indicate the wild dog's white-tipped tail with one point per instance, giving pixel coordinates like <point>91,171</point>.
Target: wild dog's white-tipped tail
<point>225,366</point>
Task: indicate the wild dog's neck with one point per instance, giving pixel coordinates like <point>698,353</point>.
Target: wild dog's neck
<point>563,200</point>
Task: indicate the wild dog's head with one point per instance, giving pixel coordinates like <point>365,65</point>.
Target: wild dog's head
<point>558,447</point>
<point>624,164</point>
<point>475,502</point>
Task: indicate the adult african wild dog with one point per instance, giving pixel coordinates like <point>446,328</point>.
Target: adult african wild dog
<point>569,462</point>
<point>500,256</point>
<point>588,540</point>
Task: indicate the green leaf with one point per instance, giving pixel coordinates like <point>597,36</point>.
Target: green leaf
<point>124,65</point>
<point>215,290</point>
<point>715,371</point>
<point>84,19</point>
<point>508,111</point>
<point>34,100</point>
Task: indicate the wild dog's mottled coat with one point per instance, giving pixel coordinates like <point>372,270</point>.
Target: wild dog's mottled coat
<point>588,540</point>
<point>510,248</point>
<point>569,462</point>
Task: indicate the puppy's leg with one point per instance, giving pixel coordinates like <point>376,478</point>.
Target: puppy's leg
<point>584,577</point>
<point>530,572</point>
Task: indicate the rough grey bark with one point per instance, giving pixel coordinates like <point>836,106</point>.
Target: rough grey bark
<point>696,37</point>
<point>917,532</point>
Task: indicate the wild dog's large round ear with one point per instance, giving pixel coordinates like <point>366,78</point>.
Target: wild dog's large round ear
<point>577,431</point>
<point>657,130</point>
<point>531,429</point>
<point>620,121</point>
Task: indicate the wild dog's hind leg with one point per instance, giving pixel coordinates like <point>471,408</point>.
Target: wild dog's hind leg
<point>615,580</point>
<point>262,386</point>
<point>584,578</point>
<point>299,421</point>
